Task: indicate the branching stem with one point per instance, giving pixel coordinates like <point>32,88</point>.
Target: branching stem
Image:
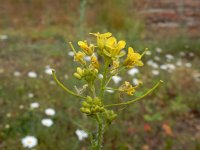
<point>63,87</point>
<point>137,99</point>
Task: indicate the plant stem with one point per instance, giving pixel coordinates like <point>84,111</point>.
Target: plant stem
<point>100,132</point>
<point>139,98</point>
<point>63,87</point>
<point>107,62</point>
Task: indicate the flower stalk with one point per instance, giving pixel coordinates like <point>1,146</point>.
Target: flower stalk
<point>110,50</point>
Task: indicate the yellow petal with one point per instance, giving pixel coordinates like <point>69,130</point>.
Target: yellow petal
<point>130,50</point>
<point>121,44</point>
<point>111,41</point>
<point>106,35</point>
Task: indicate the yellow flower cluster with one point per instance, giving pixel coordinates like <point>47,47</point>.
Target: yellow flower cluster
<point>108,47</point>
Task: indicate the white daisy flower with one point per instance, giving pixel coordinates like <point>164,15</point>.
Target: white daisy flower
<point>29,142</point>
<point>47,122</point>
<point>34,105</point>
<point>81,134</point>
<point>152,64</point>
<point>133,71</point>
<point>32,74</point>
<point>116,79</point>
<point>169,57</point>
<point>71,53</point>
<point>171,67</point>
<point>155,72</point>
<point>16,73</point>
<point>163,67</point>
<point>50,112</point>
<point>48,70</point>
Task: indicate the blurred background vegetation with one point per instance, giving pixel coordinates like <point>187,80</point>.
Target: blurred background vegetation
<point>35,33</point>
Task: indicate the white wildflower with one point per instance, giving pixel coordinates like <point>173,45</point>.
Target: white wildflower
<point>81,134</point>
<point>50,112</point>
<point>47,122</point>
<point>48,70</point>
<point>152,64</point>
<point>71,53</point>
<point>133,71</point>
<point>32,74</point>
<point>34,105</point>
<point>29,142</point>
<point>169,57</point>
<point>116,79</point>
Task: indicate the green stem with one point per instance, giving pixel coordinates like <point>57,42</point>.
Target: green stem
<point>112,76</point>
<point>63,87</point>
<point>134,100</point>
<point>100,132</point>
<point>107,62</point>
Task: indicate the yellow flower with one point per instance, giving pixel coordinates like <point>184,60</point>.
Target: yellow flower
<point>79,57</point>
<point>127,88</point>
<point>87,49</point>
<point>95,62</point>
<point>133,59</point>
<point>101,38</point>
<point>113,48</point>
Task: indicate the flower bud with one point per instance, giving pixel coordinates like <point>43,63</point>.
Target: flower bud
<point>77,75</point>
